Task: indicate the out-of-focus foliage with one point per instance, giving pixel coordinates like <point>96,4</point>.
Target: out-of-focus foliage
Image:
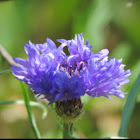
<point>112,24</point>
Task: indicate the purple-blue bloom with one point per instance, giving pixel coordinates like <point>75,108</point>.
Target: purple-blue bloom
<point>49,72</point>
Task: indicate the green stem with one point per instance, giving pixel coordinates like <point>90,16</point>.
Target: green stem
<point>67,130</point>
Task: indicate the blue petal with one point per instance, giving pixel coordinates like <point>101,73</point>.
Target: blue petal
<point>51,44</point>
<point>21,61</point>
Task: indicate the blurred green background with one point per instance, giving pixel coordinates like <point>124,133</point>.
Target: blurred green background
<point>111,24</point>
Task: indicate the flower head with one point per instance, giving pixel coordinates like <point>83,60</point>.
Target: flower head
<point>58,77</point>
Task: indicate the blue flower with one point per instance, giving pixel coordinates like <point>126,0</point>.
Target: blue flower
<point>49,72</point>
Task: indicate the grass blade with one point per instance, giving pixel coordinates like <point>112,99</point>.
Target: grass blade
<point>32,103</point>
<point>128,107</point>
<point>31,117</point>
<point>2,72</point>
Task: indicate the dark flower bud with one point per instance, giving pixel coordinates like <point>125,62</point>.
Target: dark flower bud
<point>69,110</point>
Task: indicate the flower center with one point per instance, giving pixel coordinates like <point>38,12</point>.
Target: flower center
<point>73,69</point>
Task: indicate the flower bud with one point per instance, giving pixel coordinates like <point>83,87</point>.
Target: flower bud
<point>69,110</point>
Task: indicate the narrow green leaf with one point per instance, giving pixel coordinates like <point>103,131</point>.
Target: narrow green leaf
<point>128,107</point>
<point>2,72</point>
<point>31,117</point>
<point>32,103</point>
